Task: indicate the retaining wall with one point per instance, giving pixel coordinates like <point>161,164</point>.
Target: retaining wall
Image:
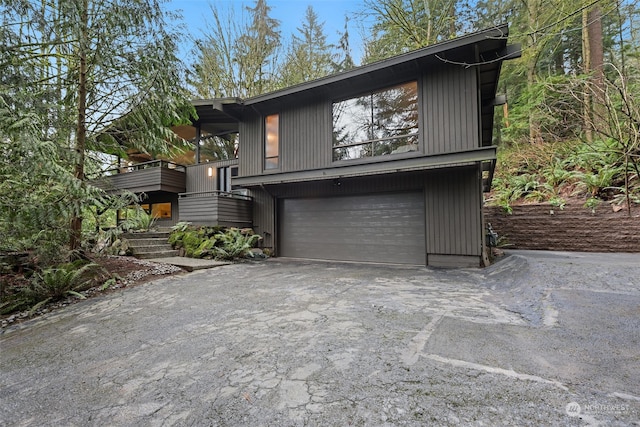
<point>574,228</point>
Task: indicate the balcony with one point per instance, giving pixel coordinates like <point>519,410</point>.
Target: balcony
<point>216,208</point>
<point>156,175</point>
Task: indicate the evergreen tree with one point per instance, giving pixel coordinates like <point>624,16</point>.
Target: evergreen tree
<point>86,75</point>
<point>309,56</point>
<point>238,57</point>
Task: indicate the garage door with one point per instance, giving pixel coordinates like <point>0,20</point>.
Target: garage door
<point>378,227</point>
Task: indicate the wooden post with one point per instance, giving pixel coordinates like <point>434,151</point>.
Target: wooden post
<point>198,137</point>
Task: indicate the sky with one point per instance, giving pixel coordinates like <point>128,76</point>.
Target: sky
<point>290,13</point>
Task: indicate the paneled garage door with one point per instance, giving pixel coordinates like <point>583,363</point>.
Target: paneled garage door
<point>385,227</point>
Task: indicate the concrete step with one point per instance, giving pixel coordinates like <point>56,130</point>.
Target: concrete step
<point>153,241</point>
<point>146,235</point>
<point>148,249</point>
<point>149,245</point>
<point>157,254</point>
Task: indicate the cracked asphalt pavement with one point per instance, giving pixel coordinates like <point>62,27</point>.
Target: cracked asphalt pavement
<point>539,338</point>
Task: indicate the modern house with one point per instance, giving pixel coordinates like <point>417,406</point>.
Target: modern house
<point>383,163</point>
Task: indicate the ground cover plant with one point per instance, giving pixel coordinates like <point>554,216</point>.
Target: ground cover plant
<point>563,172</point>
<point>213,242</point>
<point>27,290</point>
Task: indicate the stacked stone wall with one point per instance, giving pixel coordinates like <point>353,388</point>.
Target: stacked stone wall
<point>573,228</point>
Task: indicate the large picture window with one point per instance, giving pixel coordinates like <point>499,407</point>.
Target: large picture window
<point>376,124</point>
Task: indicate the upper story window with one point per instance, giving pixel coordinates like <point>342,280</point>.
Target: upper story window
<point>376,124</point>
<point>272,141</point>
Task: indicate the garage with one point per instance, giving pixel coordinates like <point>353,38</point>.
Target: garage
<point>388,227</point>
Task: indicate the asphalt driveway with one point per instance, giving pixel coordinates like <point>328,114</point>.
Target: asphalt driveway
<point>539,338</point>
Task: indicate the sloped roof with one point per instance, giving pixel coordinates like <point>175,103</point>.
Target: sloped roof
<point>484,50</point>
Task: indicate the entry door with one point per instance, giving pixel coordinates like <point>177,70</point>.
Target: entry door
<point>388,227</point>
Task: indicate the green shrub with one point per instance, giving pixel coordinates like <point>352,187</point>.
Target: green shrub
<point>214,242</point>
<point>558,170</point>
<point>191,241</point>
<point>54,283</point>
<point>181,226</point>
<point>175,239</point>
<point>206,248</point>
<point>236,243</point>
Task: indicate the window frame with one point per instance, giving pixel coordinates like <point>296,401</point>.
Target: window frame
<point>266,166</point>
<point>417,135</point>
<point>155,207</point>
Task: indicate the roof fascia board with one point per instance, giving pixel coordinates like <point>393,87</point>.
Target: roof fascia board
<point>403,165</point>
<point>216,103</point>
<point>499,32</point>
<point>226,106</point>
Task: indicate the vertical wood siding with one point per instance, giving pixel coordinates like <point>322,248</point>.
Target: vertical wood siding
<point>453,202</point>
<point>305,137</point>
<point>145,180</point>
<point>215,210</point>
<point>450,110</point>
<point>264,216</point>
<point>251,151</point>
<point>449,122</point>
<point>199,180</point>
<point>351,186</point>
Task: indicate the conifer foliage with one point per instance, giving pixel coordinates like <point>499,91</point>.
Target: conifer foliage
<point>77,77</point>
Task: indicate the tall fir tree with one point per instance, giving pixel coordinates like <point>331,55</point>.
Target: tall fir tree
<point>309,56</point>
<point>90,74</point>
<point>238,56</point>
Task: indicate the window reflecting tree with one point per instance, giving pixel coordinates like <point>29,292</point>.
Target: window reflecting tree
<point>379,123</point>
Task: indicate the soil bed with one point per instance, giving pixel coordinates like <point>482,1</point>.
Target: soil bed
<point>128,272</point>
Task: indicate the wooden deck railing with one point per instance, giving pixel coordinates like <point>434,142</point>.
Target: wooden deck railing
<point>215,194</point>
<point>147,165</point>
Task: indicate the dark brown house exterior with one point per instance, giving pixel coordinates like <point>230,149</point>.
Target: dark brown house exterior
<point>384,163</point>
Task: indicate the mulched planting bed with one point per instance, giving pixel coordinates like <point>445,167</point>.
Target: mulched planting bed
<point>128,271</point>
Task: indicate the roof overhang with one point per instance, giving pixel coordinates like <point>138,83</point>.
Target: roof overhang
<point>438,161</point>
<point>215,117</point>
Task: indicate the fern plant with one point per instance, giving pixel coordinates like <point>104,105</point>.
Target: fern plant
<point>144,221</point>
<point>182,226</point>
<point>53,284</point>
<point>235,244</point>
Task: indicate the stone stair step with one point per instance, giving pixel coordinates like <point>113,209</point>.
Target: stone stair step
<point>157,254</point>
<point>153,241</point>
<point>148,249</point>
<point>149,245</point>
<point>146,235</point>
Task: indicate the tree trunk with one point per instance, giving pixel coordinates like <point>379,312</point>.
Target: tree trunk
<point>586,68</point>
<point>81,129</point>
<point>596,56</point>
<point>535,133</point>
